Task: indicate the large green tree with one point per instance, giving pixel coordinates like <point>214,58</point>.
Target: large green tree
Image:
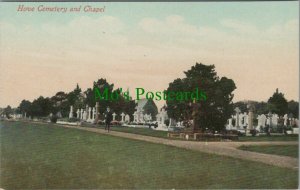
<point>211,113</point>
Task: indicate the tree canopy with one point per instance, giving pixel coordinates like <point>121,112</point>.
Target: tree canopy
<point>213,112</point>
<point>277,103</point>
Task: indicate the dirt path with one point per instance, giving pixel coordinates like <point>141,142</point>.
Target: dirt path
<point>220,148</point>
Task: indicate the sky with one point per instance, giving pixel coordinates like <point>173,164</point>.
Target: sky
<point>148,45</point>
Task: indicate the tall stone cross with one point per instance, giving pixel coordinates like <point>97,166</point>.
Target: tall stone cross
<point>237,111</point>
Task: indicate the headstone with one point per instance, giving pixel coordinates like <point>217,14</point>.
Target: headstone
<point>122,117</point>
<point>114,116</point>
<point>81,114</point>
<point>285,117</point>
<point>237,111</point>
<point>250,120</point>
<point>269,119</point>
<point>245,119</point>
<point>259,121</point>
<point>275,119</point>
<point>89,114</point>
<point>250,116</point>
<point>263,119</point>
<point>93,113</point>
<point>78,114</point>
<point>127,118</point>
<point>84,115</point>
<point>71,112</point>
<point>86,112</point>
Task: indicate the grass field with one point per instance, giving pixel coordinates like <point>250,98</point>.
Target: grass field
<point>45,156</point>
<point>269,138</point>
<point>285,150</point>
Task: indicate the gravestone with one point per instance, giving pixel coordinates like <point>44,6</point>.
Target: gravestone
<point>81,114</point>
<point>275,120</point>
<point>89,114</point>
<point>93,113</point>
<point>84,115</point>
<point>250,117</point>
<point>114,116</point>
<point>86,112</point>
<point>78,114</point>
<point>122,117</point>
<point>237,111</point>
<point>263,119</point>
<point>285,117</point>
<point>127,118</point>
<point>71,112</point>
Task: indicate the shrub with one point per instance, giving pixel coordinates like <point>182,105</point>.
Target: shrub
<point>253,132</point>
<point>53,119</point>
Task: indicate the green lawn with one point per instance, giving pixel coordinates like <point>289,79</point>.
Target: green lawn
<point>285,150</point>
<point>46,156</point>
<point>269,138</point>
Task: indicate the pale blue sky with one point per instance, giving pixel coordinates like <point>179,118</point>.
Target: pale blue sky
<point>262,14</point>
<point>149,45</point>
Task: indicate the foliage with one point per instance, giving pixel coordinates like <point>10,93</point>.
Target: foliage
<point>293,108</point>
<point>7,111</point>
<point>53,119</point>
<point>212,113</point>
<point>277,103</point>
<point>121,104</point>
<point>25,107</point>
<point>151,108</point>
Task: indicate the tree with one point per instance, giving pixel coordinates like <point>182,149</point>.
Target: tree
<point>75,98</point>
<point>261,108</point>
<point>25,107</point>
<point>61,103</point>
<point>293,108</point>
<point>8,111</point>
<point>211,113</point>
<point>41,107</point>
<point>151,108</point>
<point>277,103</point>
<point>242,105</point>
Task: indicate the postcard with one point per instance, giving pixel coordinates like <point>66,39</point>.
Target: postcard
<point>149,95</point>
